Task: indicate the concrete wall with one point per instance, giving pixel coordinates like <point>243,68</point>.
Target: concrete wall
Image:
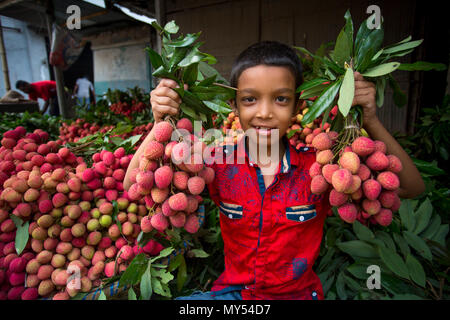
<point>120,60</point>
<point>26,54</point>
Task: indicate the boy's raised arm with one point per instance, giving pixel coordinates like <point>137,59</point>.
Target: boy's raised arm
<point>164,101</point>
<point>411,183</point>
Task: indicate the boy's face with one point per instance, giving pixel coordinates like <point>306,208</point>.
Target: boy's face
<point>265,101</point>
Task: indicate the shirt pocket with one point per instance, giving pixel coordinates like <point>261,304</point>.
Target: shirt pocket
<point>301,213</point>
<point>231,210</point>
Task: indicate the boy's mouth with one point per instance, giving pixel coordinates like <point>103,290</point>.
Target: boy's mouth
<point>264,130</point>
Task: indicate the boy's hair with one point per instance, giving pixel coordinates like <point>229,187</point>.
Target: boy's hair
<point>270,53</point>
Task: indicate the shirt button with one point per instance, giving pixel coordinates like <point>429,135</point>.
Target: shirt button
<point>230,216</point>
<point>314,294</point>
<point>302,218</point>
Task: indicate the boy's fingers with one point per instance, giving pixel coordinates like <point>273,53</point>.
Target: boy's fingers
<point>163,110</point>
<point>357,76</point>
<point>362,84</point>
<point>364,92</point>
<point>165,101</point>
<point>167,92</point>
<point>168,83</point>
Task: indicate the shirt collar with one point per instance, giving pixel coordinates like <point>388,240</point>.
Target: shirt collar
<point>290,157</point>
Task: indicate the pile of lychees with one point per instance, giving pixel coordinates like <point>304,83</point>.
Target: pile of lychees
<point>68,210</point>
<point>362,178</point>
<point>170,178</point>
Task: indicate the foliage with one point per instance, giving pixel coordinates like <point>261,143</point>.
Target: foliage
<point>31,122</point>
<point>181,61</point>
<point>362,52</point>
<point>89,145</point>
<point>411,254</point>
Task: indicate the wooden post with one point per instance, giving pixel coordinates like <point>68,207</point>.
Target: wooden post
<point>59,78</point>
<point>4,60</point>
<point>160,13</point>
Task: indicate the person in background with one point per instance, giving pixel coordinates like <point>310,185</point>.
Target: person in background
<point>46,90</point>
<point>83,90</point>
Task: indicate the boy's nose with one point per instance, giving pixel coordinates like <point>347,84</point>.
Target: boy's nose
<point>264,110</point>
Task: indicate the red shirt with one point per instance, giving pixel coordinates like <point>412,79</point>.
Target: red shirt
<point>271,236</point>
<point>42,89</point>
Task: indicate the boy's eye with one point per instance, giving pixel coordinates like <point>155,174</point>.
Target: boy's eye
<point>282,99</point>
<point>248,99</point>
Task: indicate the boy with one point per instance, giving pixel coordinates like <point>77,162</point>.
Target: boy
<point>271,223</point>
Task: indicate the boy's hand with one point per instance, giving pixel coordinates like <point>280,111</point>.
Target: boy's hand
<point>365,96</point>
<point>164,100</point>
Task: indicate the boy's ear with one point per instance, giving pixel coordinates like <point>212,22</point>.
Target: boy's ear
<point>234,106</point>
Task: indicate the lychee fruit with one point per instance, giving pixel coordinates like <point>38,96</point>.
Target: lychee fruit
<point>363,146</point>
<point>342,180</point>
<point>348,212</point>
<point>371,189</point>
<point>350,161</point>
<point>388,180</point>
<point>377,161</point>
<point>318,184</point>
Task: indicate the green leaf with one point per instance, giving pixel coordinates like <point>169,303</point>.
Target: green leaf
<point>178,56</point>
<point>188,111</point>
<point>357,248</point>
<point>182,274</point>
<point>418,244</point>
<point>394,262</point>
<point>323,102</point>
<point>369,39</point>
<point>430,168</point>
<point>342,49</point>
<point>432,228</point>
<point>155,25</point>
<point>194,56</point>
<point>380,87</point>
<point>399,96</point>
<point>352,284</point>
<point>199,253</point>
<point>22,236</point>
<point>441,234</point>
<point>406,296</point>
<point>386,238</point>
<point>402,245</point>
<point>155,58</point>
<point>423,215</point>
<point>311,84</point>
<point>171,27</point>
<point>131,294</point>
<point>217,106</point>
<point>346,92</point>
<point>407,214</point>
<point>402,47</point>
<point>146,284</point>
<point>415,269</point>
<point>349,29</point>
<point>190,74</point>
<point>134,271</point>
<point>162,254</point>
<point>422,66</point>
<point>207,71</point>
<point>362,34</point>
<point>313,91</point>
<point>358,270</point>
<point>340,286</point>
<point>381,69</point>
<point>186,41</point>
<point>362,232</point>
